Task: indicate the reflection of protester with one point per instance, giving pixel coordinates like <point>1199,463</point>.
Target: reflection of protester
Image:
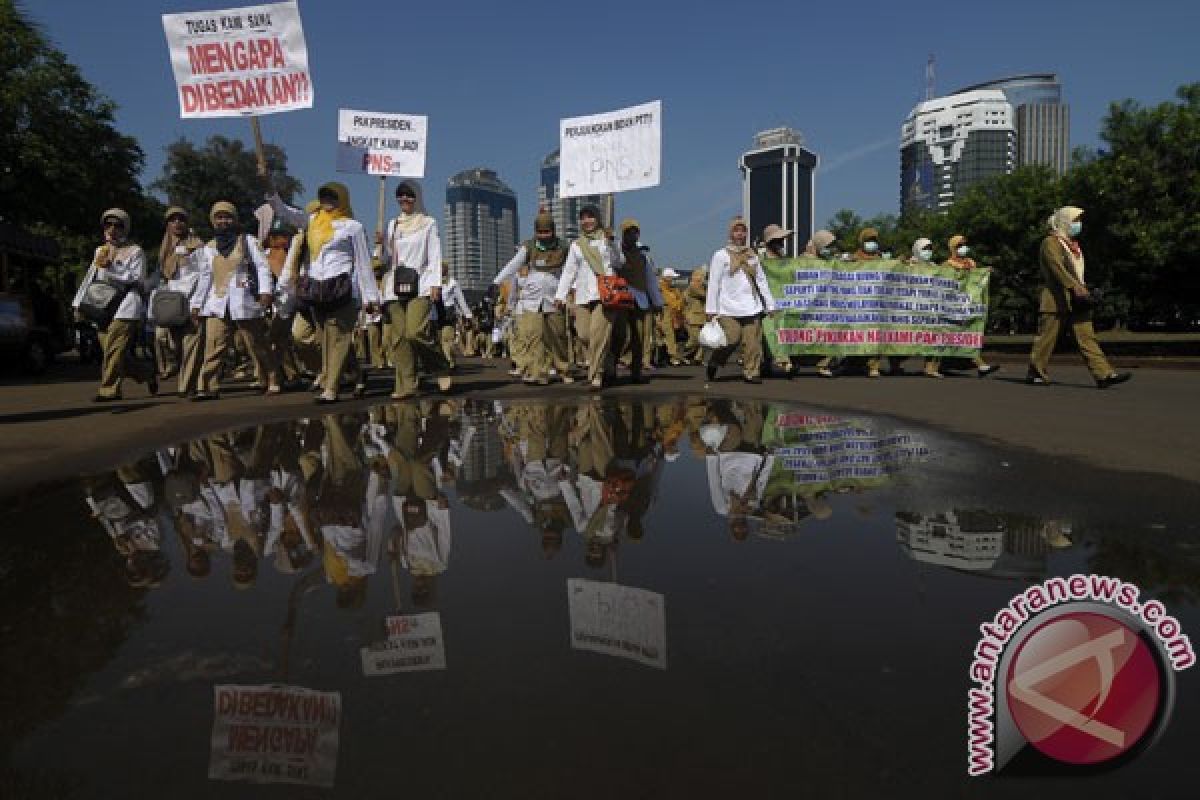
<point>123,264</point>
<point>738,298</point>
<point>125,506</point>
<point>1066,300</point>
<point>738,469</point>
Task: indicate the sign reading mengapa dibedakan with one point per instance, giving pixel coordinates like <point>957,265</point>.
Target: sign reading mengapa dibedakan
<point>414,643</point>
<point>618,621</point>
<point>275,734</point>
<point>875,308</point>
<point>239,61</point>
<point>611,152</point>
<point>381,144</point>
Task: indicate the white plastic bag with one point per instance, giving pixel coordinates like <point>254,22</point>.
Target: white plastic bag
<point>712,335</point>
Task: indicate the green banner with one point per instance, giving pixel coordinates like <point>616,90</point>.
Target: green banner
<point>871,308</point>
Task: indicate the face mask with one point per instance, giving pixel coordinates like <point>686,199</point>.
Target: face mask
<point>871,247</point>
<point>1076,228</point>
<point>962,251</point>
<point>825,252</point>
<point>926,255</point>
<point>887,253</point>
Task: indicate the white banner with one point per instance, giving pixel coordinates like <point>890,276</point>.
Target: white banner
<point>414,643</point>
<point>618,621</point>
<point>381,144</point>
<point>612,152</point>
<point>274,734</point>
<point>239,61</point>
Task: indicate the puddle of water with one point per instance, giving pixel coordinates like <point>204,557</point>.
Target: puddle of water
<point>463,598</point>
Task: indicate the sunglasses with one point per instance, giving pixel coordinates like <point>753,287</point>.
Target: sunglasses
<point>403,197</point>
<point>113,223</point>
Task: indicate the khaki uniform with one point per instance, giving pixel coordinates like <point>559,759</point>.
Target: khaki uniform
<point>413,340</point>
<point>119,360</point>
<point>1059,307</point>
<point>744,331</point>
<point>188,343</point>
<point>670,319</point>
<point>693,315</point>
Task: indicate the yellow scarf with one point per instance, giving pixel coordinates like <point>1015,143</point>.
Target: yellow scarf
<point>320,226</point>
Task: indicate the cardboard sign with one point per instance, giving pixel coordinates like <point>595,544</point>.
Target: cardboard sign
<point>274,734</point>
<point>239,61</point>
<point>374,143</point>
<point>618,621</point>
<point>612,152</point>
<point>414,643</point>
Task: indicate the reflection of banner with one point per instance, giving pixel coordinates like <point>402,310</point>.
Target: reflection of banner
<point>274,734</point>
<point>818,453</point>
<point>414,643</point>
<point>239,61</point>
<point>618,621</point>
<point>888,308</point>
<point>611,152</point>
<point>381,144</point>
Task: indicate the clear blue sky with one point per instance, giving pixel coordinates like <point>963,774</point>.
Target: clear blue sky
<point>494,79</point>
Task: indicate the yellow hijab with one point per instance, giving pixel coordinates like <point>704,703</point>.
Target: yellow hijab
<point>320,226</point>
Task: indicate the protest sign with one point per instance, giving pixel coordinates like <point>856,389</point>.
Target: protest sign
<point>875,308</point>
<point>618,621</point>
<point>611,152</point>
<point>274,734</point>
<point>239,61</point>
<point>375,143</point>
<point>414,643</point>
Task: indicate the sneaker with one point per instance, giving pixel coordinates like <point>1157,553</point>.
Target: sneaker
<point>1113,379</point>
<point>444,383</point>
<point>1036,379</point>
<point>675,362</point>
<point>567,379</point>
<point>874,373</point>
<point>516,373</point>
<point>987,369</point>
<point>596,385</point>
<point>826,372</point>
<point>751,379</point>
<point>932,374</point>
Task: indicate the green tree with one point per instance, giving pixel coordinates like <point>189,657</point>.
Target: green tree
<point>62,160</point>
<point>223,169</point>
<point>845,225</point>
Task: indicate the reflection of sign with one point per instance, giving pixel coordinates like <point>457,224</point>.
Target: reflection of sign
<point>239,61</point>
<point>611,152</point>
<point>274,734</point>
<point>618,621</point>
<point>414,643</point>
<point>381,144</point>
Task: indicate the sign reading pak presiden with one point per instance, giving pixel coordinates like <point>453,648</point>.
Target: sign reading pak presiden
<point>611,152</point>
<point>239,61</point>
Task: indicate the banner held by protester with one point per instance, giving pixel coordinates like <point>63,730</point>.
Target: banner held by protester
<point>616,151</point>
<point>239,61</point>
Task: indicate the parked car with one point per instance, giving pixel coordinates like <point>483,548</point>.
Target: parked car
<point>33,342</point>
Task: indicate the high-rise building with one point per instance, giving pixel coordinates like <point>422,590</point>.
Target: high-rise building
<point>481,228</point>
<point>1043,121</point>
<point>565,210</point>
<point>778,185</point>
<point>950,143</point>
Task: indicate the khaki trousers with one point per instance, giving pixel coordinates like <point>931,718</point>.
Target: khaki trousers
<point>118,362</point>
<point>446,337</point>
<point>527,349</point>
<point>412,340</point>
<point>666,331</point>
<point>306,343</point>
<point>632,333</point>
<point>375,345</point>
<point>594,323</point>
<point>279,340</point>
<point>1049,327</point>
<point>188,344</point>
<point>219,333</point>
<point>692,349</point>
<point>335,333</point>
<point>555,342</point>
<point>746,332</point>
<point>166,354</point>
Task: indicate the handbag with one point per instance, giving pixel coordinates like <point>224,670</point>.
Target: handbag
<point>324,295</point>
<point>618,485</point>
<point>169,308</point>
<point>100,302</point>
<point>614,292</point>
<point>406,281</point>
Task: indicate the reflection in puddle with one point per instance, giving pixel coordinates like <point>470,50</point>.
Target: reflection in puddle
<point>463,576</point>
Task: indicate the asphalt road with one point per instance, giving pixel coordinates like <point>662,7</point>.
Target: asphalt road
<point>50,429</point>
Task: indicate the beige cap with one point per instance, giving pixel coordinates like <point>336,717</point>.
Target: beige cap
<point>773,231</point>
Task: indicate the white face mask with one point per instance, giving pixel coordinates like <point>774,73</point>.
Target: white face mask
<point>871,247</point>
<point>926,255</point>
<point>963,251</point>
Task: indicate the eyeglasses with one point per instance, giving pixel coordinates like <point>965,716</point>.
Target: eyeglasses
<point>403,197</point>
<point>113,223</point>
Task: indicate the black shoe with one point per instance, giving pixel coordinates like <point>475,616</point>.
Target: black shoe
<point>710,373</point>
<point>322,400</point>
<point>1035,379</point>
<point>106,398</point>
<point>200,397</point>
<point>988,370</point>
<point>1113,380</point>
<point>152,384</point>
<point>751,379</point>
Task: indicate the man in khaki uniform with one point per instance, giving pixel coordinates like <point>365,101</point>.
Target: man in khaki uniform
<point>1065,300</point>
<point>670,317</point>
<point>693,313</point>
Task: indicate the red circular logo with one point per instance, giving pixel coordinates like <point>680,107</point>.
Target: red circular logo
<point>1083,688</point>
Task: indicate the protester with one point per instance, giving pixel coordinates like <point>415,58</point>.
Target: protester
<point>590,256</point>
<point>638,271</point>
<point>869,250</point>
<point>180,264</point>
<point>775,249</point>
<point>453,313</point>
<point>122,264</point>
<point>1065,300</point>
<point>821,246</point>
<point>960,260</point>
<point>281,242</point>
<point>336,245</point>
<point>412,252</point>
<point>694,299</point>
<point>669,320</point>
<point>738,298</point>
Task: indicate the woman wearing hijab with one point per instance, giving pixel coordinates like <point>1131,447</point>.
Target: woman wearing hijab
<point>233,293</point>
<point>1066,301</point>
<point>181,262</point>
<point>738,298</point>
<point>960,259</point>
<point>336,245</point>
<point>869,250</point>
<point>121,263</point>
<point>821,246</point>
<point>412,285</point>
<point>589,257</point>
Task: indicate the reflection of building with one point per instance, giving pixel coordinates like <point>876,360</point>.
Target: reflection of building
<point>481,228</point>
<point>1001,545</point>
<point>778,185</point>
<point>484,469</point>
<point>1043,121</point>
<point>565,210</point>
<point>950,143</point>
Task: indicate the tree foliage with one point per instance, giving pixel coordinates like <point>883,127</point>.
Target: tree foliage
<point>222,169</point>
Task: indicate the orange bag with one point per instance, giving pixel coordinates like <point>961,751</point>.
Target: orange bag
<point>614,292</point>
